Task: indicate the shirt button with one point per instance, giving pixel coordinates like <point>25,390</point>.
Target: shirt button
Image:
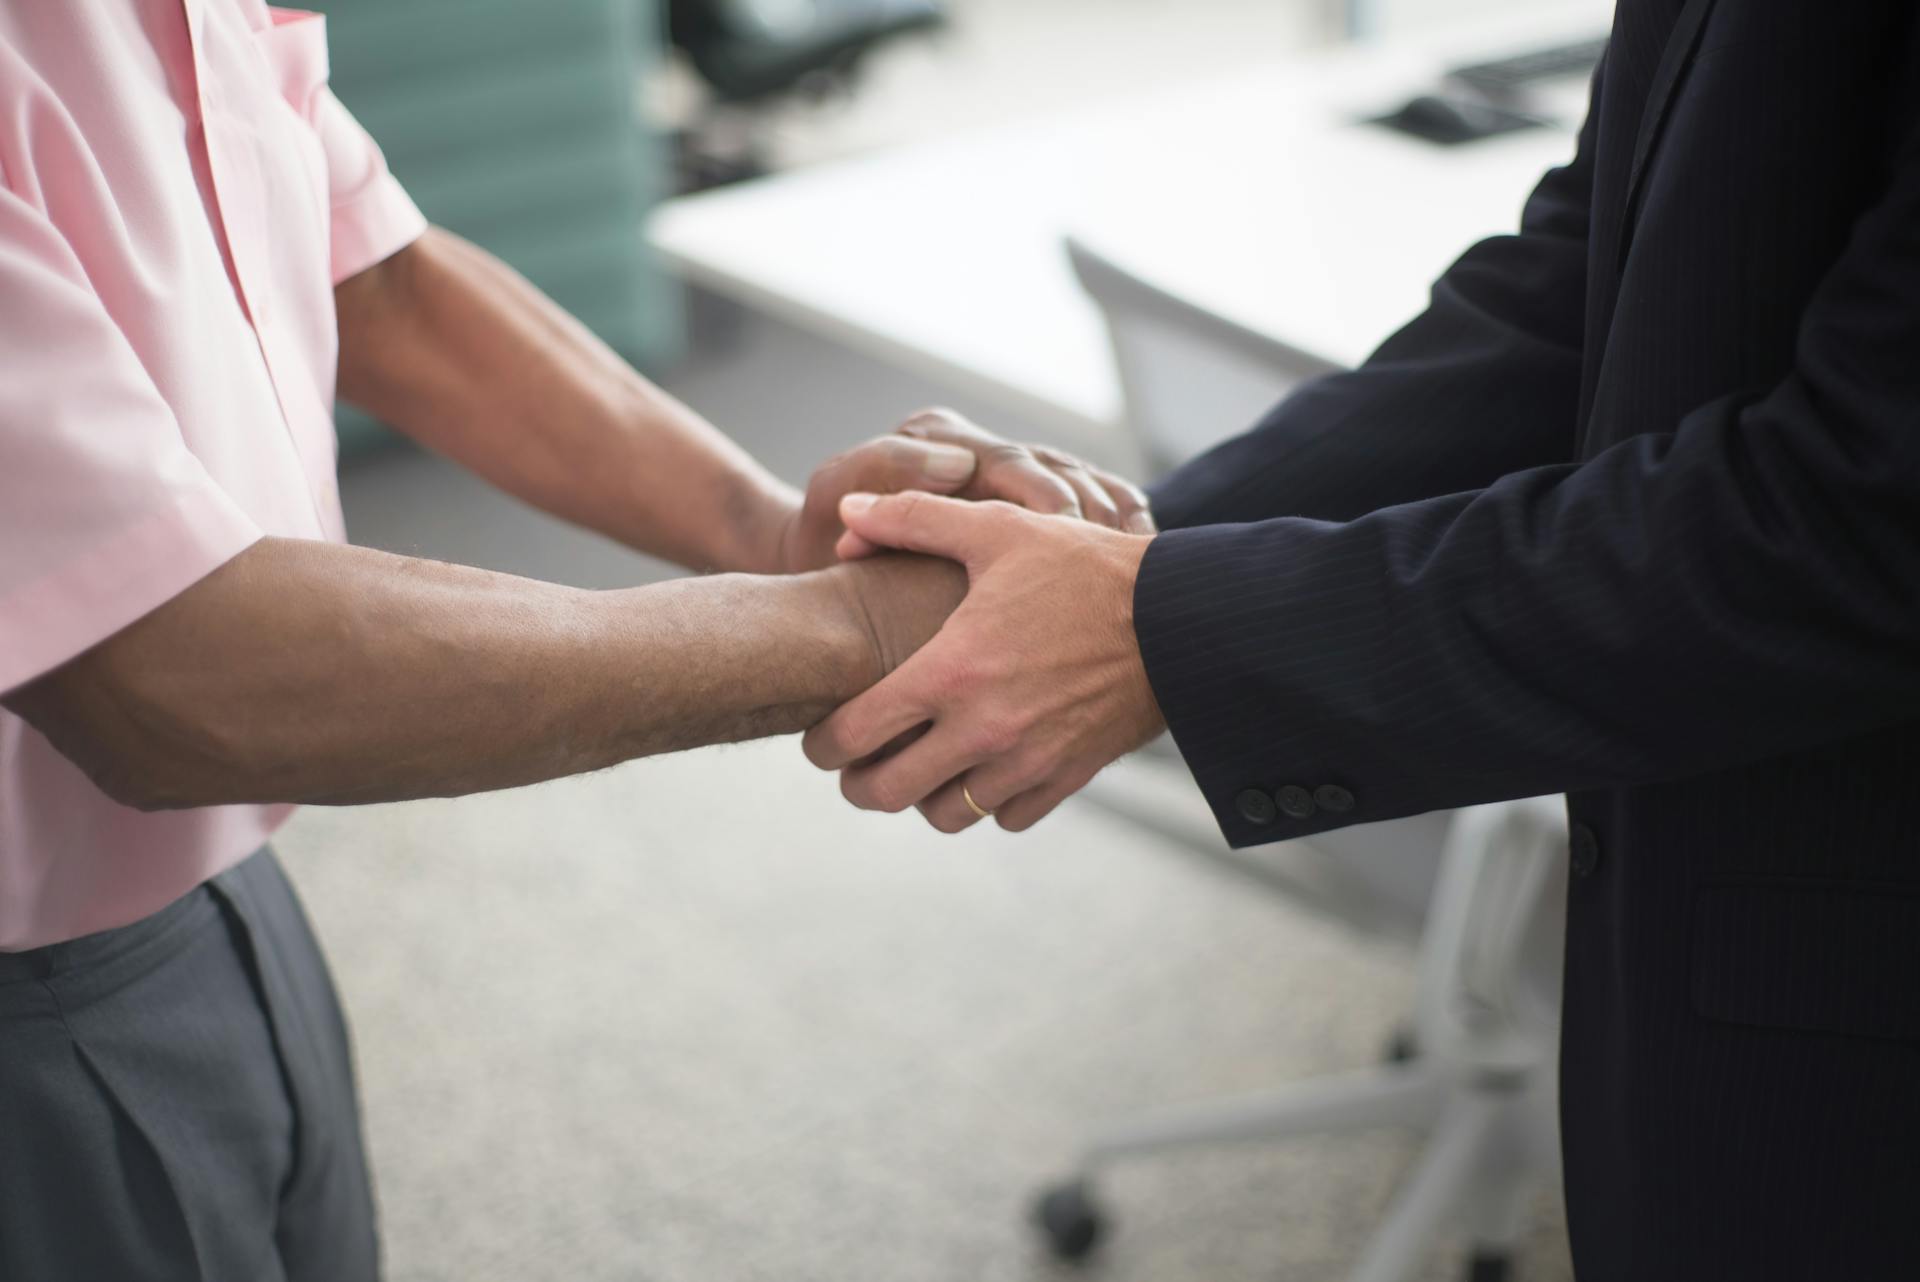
<point>1295,802</point>
<point>1333,799</point>
<point>1583,849</point>
<point>1255,806</point>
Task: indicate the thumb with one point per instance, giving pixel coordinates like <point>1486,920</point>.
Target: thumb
<point>890,464</point>
<point>915,522</point>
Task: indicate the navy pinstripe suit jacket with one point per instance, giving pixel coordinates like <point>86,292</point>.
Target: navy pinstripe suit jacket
<point>1632,512</point>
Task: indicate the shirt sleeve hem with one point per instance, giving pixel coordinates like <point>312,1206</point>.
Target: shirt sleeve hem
<point>373,225</point>
<point>83,602</point>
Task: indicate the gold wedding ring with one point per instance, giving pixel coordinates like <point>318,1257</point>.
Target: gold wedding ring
<point>973,805</point>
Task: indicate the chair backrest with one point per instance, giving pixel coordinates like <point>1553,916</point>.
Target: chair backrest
<point>1496,929</point>
<point>754,49</point>
<point>1189,378</point>
<point>1496,935</point>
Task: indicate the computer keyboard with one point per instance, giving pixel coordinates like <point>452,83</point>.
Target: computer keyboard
<point>1504,76</point>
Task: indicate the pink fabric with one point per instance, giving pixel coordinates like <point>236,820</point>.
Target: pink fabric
<point>179,191</point>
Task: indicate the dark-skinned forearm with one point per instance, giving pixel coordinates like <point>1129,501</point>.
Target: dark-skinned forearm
<point>459,352</point>
<point>310,672</point>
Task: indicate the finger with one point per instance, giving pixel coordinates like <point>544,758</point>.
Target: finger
<point>947,810</point>
<point>1023,810</point>
<point>851,547</point>
<point>889,464</point>
<point>895,744</point>
<point>1006,470</point>
<point>1136,510</point>
<point>908,776</point>
<point>1013,473</point>
<point>916,522</point>
<point>1030,807</point>
<point>990,784</point>
<point>869,722</point>
<point>1096,505</point>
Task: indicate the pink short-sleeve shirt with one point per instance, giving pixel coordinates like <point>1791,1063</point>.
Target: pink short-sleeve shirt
<point>179,192</point>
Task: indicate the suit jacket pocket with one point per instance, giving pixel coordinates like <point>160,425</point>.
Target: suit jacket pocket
<point>1818,957</point>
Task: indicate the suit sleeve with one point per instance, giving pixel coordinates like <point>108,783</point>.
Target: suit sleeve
<point>1486,381</point>
<point>1740,584</point>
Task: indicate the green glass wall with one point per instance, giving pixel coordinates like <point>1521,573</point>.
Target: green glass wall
<point>514,123</point>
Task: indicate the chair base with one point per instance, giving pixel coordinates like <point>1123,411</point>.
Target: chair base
<point>1481,1162</point>
<point>1478,1078</point>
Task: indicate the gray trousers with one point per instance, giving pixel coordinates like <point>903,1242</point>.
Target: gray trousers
<point>177,1101</point>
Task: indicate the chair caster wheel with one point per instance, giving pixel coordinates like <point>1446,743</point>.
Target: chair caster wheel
<point>1402,1047</point>
<point>1071,1222</point>
<point>1489,1268</point>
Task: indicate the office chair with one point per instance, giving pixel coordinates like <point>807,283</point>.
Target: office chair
<point>1480,892</point>
<point>752,52</point>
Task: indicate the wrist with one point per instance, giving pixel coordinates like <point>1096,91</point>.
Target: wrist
<point>1144,701</point>
<point>836,602</point>
<point>756,536</point>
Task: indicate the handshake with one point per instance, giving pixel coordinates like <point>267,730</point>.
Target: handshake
<point>1000,691</point>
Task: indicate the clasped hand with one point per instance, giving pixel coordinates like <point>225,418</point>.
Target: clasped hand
<point>1033,685</point>
<point>939,452</point>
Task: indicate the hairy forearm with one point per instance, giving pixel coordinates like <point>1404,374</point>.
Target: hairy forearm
<point>456,350</point>
<point>309,672</point>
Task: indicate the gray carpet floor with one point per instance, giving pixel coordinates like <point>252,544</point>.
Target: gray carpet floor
<point>696,1020</point>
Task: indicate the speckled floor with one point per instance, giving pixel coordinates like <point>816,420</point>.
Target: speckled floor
<point>696,1020</point>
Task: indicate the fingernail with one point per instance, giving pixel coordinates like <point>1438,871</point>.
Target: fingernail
<point>948,463</point>
<point>1140,523</point>
<point>855,504</point>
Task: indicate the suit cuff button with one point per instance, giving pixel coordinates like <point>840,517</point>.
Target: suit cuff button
<point>1295,802</point>
<point>1583,849</point>
<point>1255,806</point>
<point>1333,799</point>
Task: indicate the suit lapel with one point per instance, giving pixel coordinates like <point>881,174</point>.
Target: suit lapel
<point>1667,77</point>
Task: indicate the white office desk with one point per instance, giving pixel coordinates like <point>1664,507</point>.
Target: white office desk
<point>1258,197</point>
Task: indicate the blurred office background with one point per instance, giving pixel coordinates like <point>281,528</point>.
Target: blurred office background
<point>695,1018</point>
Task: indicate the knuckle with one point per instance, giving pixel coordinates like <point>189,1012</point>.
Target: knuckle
<point>869,793</point>
<point>997,735</point>
<point>933,417</point>
<point>1055,496</point>
<point>1007,454</point>
<point>842,739</point>
<point>951,678</point>
<point>1031,764</point>
<point>893,449</point>
<point>946,821</point>
<point>950,684</point>
<point>829,745</point>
